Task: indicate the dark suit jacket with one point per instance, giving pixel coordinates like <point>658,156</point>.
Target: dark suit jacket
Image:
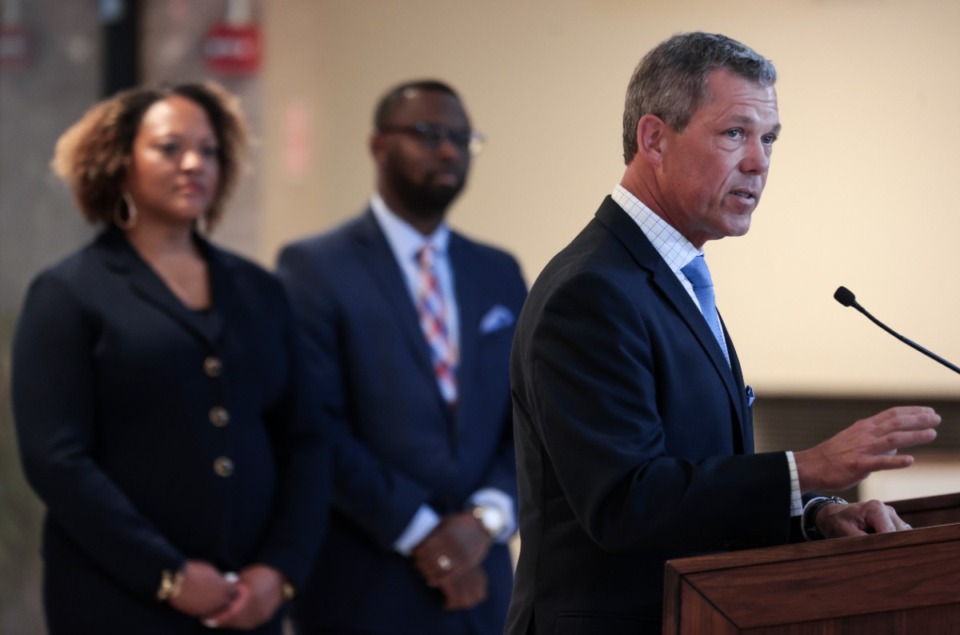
<point>634,439</point>
<point>115,387</point>
<point>399,446</point>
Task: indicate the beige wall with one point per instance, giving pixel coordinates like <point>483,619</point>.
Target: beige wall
<point>861,192</point>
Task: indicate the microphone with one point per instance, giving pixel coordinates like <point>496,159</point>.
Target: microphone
<point>845,297</point>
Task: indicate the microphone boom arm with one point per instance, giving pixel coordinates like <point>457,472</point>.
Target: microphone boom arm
<point>846,298</point>
<point>889,330</point>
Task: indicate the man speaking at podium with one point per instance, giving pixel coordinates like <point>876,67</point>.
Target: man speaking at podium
<point>633,423</point>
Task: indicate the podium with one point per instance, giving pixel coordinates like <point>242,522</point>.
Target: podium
<point>904,583</point>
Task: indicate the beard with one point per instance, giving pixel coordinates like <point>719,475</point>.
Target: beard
<point>426,198</point>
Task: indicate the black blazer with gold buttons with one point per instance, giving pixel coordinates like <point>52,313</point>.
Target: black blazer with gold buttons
<point>154,433</point>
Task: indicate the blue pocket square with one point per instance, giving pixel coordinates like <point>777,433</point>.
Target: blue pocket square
<point>497,318</point>
<point>750,397</point>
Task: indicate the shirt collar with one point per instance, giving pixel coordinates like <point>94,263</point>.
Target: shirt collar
<point>676,250</point>
<point>403,238</point>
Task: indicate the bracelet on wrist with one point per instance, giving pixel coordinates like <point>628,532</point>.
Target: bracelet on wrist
<point>171,584</point>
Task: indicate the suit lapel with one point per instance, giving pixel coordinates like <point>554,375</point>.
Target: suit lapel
<point>469,309</point>
<point>378,257</point>
<point>226,298</point>
<point>144,282</point>
<point>633,239</point>
<point>746,421</point>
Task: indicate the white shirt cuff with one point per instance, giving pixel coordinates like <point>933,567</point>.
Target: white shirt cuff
<point>424,521</point>
<point>796,501</point>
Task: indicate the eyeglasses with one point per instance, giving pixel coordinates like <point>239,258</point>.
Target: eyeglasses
<point>432,136</point>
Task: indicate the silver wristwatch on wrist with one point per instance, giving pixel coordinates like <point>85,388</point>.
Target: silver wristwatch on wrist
<point>808,522</point>
<point>491,519</point>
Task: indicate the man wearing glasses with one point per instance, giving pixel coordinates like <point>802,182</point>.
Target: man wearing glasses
<point>409,325</point>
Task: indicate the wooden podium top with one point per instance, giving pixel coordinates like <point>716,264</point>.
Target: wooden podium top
<point>905,582</point>
<point>929,511</point>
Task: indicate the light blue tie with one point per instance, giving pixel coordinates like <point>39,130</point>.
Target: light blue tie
<point>698,274</point>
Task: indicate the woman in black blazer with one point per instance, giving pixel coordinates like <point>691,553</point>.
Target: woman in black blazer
<point>163,413</point>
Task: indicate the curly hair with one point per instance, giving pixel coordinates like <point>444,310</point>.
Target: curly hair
<point>670,81</point>
<point>91,156</point>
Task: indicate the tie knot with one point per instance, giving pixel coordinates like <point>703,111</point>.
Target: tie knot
<point>698,273</point>
<point>425,256</point>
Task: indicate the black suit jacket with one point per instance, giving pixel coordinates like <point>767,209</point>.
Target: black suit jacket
<point>119,394</point>
<point>399,446</point>
<point>634,439</point>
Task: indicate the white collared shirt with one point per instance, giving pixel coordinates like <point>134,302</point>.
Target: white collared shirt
<point>405,243</point>
<point>675,250</point>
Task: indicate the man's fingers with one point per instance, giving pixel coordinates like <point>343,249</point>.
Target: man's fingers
<point>883,462</point>
<point>879,521</point>
<point>238,604</point>
<point>881,518</point>
<point>908,418</point>
<point>906,439</point>
<point>437,569</point>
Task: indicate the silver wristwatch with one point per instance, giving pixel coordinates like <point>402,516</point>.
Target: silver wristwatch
<point>491,519</point>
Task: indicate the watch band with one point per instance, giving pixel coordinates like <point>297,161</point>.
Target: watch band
<point>808,521</point>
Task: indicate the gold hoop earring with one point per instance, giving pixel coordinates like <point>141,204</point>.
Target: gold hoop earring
<point>128,220</point>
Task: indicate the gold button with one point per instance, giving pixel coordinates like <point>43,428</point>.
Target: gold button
<point>219,416</point>
<point>212,366</point>
<point>223,466</point>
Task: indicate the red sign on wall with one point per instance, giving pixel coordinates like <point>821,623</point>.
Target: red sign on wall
<point>233,49</point>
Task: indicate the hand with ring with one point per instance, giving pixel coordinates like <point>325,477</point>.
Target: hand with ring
<point>457,545</point>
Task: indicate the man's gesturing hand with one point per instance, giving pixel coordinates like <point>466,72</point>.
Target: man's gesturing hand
<point>867,446</point>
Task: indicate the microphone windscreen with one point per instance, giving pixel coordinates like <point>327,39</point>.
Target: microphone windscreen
<point>844,296</point>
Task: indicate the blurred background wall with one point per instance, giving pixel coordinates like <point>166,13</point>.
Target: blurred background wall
<point>861,189</point>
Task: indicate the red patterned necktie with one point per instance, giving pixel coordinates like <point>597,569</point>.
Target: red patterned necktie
<point>433,321</point>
